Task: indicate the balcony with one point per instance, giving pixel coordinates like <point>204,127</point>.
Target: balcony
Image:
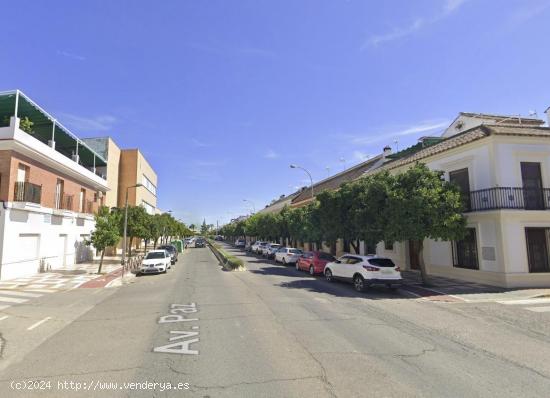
<point>65,202</point>
<point>508,198</point>
<point>27,192</point>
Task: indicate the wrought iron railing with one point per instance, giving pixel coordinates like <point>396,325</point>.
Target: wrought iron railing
<point>89,207</point>
<point>27,192</point>
<point>507,198</point>
<point>66,202</point>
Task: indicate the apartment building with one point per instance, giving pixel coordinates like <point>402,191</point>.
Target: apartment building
<point>502,166</point>
<point>136,170</point>
<point>49,188</point>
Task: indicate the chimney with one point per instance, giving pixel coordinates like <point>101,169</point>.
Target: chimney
<point>387,150</point>
<point>547,111</point>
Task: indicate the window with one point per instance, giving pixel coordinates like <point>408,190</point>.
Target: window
<point>326,257</point>
<point>465,251</point>
<point>59,193</point>
<point>537,249</point>
<point>461,179</point>
<point>148,207</point>
<point>82,200</point>
<point>382,262</point>
<point>353,260</point>
<point>388,245</point>
<point>149,185</point>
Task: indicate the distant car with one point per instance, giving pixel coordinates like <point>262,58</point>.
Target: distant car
<point>363,271</point>
<point>314,262</point>
<point>200,242</point>
<point>172,251</point>
<point>287,255</point>
<point>155,261</point>
<point>189,242</point>
<point>240,243</point>
<point>218,237</point>
<point>271,250</point>
<point>257,245</point>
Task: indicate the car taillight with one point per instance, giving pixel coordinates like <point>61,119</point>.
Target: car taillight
<point>397,269</point>
<point>371,268</point>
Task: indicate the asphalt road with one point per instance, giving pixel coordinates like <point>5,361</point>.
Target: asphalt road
<point>270,331</point>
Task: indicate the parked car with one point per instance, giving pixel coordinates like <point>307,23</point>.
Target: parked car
<point>271,249</point>
<point>265,248</point>
<point>249,246</point>
<point>287,255</point>
<point>200,242</point>
<point>363,271</point>
<point>260,247</point>
<point>218,237</point>
<point>172,251</point>
<point>240,243</point>
<point>155,261</point>
<point>314,262</point>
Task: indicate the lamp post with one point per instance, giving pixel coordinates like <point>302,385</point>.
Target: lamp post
<point>252,203</point>
<point>126,226</point>
<point>294,166</point>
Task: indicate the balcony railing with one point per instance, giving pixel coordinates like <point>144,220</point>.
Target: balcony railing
<point>89,207</point>
<point>27,192</point>
<point>508,198</point>
<point>66,202</point>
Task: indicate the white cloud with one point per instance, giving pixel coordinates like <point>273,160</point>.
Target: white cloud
<point>449,7</point>
<point>198,143</point>
<point>271,154</point>
<point>67,54</point>
<point>415,129</point>
<point>95,123</point>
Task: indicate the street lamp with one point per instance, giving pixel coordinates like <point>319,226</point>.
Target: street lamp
<point>252,203</point>
<point>126,226</point>
<point>294,166</point>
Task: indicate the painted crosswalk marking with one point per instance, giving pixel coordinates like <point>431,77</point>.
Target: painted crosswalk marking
<point>20,294</point>
<point>539,309</point>
<point>12,299</point>
<point>38,323</point>
<point>3,307</point>
<point>526,301</point>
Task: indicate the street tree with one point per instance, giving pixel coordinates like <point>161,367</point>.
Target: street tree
<point>420,205</point>
<point>106,232</point>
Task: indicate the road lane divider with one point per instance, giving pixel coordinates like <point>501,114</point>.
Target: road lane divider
<point>33,326</point>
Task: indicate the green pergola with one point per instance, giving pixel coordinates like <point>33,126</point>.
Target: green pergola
<point>46,128</point>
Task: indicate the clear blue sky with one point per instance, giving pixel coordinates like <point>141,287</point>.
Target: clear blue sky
<point>221,96</point>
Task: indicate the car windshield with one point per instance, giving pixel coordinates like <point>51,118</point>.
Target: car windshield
<point>326,257</point>
<point>295,251</point>
<point>154,255</point>
<point>382,262</point>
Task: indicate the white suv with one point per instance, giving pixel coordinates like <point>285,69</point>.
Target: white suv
<point>287,255</point>
<point>256,246</point>
<point>364,271</point>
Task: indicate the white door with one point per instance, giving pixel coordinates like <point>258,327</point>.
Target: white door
<point>62,249</point>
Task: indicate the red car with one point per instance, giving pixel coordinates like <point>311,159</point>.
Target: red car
<point>314,262</point>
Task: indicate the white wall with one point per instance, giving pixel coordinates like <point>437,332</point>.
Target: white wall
<point>32,233</point>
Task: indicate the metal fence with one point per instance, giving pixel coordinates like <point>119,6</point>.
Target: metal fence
<point>27,192</point>
<point>508,198</point>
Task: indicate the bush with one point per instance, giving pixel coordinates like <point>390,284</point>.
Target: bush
<point>228,261</point>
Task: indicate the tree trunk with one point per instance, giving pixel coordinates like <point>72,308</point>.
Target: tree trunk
<point>421,264</point>
<point>101,261</point>
<point>130,246</point>
<point>155,245</point>
<point>355,245</point>
<point>333,248</point>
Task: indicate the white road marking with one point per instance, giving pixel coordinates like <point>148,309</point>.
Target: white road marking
<point>12,299</point>
<point>20,294</point>
<point>4,317</point>
<point>3,307</point>
<point>538,309</point>
<point>38,323</point>
<point>526,301</point>
<point>40,290</point>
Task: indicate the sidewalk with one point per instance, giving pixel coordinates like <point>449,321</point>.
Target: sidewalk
<point>448,289</point>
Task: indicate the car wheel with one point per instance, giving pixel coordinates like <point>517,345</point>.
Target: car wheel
<point>284,261</point>
<point>328,275</point>
<point>311,270</point>
<point>358,283</point>
<point>297,266</point>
